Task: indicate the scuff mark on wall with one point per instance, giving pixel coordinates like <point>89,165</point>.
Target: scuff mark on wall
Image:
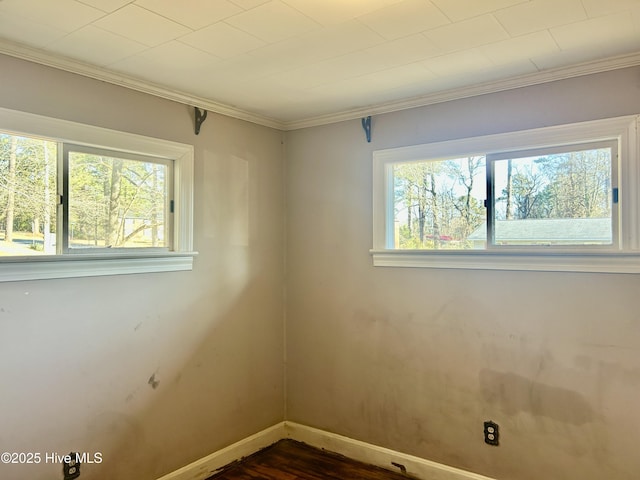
<point>153,382</point>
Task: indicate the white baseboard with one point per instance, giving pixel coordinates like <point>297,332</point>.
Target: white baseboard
<point>355,449</point>
<point>207,466</point>
<point>374,455</point>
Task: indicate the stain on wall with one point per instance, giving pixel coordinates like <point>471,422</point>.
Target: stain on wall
<point>513,394</point>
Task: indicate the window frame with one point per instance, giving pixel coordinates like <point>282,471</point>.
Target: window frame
<point>623,259</point>
<point>179,258</point>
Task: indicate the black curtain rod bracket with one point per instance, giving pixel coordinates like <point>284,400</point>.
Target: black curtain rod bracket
<point>366,125</point>
<point>200,117</point>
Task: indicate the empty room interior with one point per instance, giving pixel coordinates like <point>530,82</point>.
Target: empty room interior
<point>406,231</point>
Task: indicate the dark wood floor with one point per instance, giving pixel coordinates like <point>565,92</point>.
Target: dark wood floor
<point>290,460</point>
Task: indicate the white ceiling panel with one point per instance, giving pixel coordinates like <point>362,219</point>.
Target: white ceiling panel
<point>249,4</point>
<point>301,78</point>
<point>405,50</point>
<point>404,18</point>
<point>535,15</point>
<point>333,70</point>
<point>331,12</point>
<point>524,47</point>
<point>359,64</point>
<point>222,40</point>
<point>91,44</point>
<point>327,42</point>
<point>385,88</point>
<point>202,81</point>
<point>288,63</point>
<point>248,69</point>
<point>17,28</point>
<point>579,55</point>
<point>467,33</point>
<point>107,5</point>
<point>142,26</point>
<point>67,15</point>
<point>507,70</point>
<point>457,10</point>
<point>597,8</point>
<point>172,63</point>
<point>194,14</point>
<point>620,27</point>
<point>381,81</point>
<point>482,76</point>
<point>273,21</point>
<point>556,60</point>
<point>462,64</point>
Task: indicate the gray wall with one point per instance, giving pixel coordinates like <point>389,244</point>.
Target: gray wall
<point>416,359</point>
<point>76,355</point>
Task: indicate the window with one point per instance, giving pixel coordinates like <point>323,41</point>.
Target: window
<point>557,198</point>
<point>438,204</point>
<point>77,200</point>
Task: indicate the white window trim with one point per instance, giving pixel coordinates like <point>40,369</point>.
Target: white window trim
<point>624,260</point>
<point>68,266</point>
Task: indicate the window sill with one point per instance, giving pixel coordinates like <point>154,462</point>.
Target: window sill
<point>521,261</point>
<point>92,265</point>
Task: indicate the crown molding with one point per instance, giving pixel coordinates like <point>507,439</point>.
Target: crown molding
<point>545,76</point>
<point>74,66</point>
<point>98,73</point>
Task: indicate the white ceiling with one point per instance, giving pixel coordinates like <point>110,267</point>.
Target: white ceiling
<point>291,63</point>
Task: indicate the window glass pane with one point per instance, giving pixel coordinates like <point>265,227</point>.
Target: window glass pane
<point>116,202</point>
<point>439,204</point>
<point>27,195</point>
<point>554,199</point>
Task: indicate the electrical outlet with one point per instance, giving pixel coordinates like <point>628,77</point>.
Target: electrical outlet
<point>71,466</point>
<point>491,433</point>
